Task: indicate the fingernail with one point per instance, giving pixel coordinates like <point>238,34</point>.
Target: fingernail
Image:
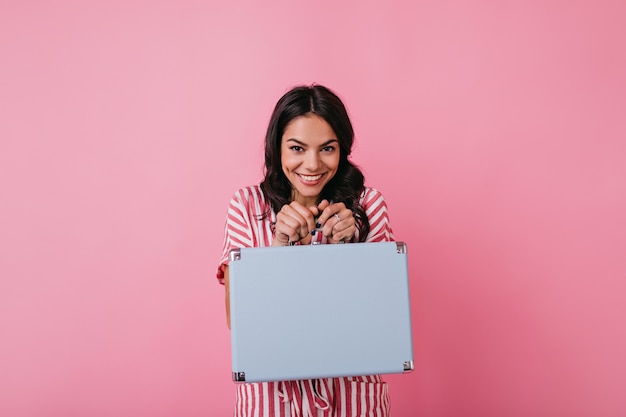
<point>313,232</point>
<point>318,225</point>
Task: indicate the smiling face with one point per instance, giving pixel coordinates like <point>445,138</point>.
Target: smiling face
<point>309,153</point>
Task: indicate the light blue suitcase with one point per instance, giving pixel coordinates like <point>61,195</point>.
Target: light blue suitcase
<point>303,312</point>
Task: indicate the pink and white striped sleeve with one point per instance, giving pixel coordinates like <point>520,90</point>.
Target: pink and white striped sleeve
<point>237,230</point>
<point>376,210</point>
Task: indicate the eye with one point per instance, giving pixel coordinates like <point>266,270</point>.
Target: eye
<point>328,149</point>
<point>296,148</point>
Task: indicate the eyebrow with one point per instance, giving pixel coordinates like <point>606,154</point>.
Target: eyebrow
<point>299,142</point>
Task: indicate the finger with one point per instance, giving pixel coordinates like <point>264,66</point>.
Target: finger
<point>329,211</point>
<point>290,223</point>
<point>315,210</point>
<point>344,235</point>
<point>306,216</point>
<point>345,229</point>
<point>286,229</point>
<point>303,216</point>
<point>323,204</point>
<point>338,223</point>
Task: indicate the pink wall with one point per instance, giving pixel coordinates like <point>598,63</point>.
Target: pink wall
<point>496,130</point>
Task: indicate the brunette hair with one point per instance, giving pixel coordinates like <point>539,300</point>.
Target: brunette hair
<point>347,184</point>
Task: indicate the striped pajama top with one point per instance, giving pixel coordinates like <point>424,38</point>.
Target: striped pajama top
<point>324,397</point>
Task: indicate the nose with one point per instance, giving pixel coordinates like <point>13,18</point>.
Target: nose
<point>312,161</point>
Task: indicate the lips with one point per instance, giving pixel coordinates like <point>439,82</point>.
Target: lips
<point>310,178</point>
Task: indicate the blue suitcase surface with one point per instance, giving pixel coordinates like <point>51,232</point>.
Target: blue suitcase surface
<point>319,311</point>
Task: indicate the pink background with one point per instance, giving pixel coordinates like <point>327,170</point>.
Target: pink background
<point>496,131</point>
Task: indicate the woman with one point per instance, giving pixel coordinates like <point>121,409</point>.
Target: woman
<point>311,194</point>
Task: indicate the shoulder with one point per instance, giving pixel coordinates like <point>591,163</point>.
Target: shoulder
<point>371,197</point>
<point>251,193</point>
<point>249,200</point>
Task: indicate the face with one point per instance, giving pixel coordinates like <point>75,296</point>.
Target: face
<point>309,154</point>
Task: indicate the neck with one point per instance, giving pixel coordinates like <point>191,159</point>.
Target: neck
<point>305,201</point>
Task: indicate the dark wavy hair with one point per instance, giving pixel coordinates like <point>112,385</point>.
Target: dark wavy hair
<point>347,184</point>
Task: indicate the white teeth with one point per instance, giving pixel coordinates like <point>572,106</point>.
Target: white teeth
<point>310,177</point>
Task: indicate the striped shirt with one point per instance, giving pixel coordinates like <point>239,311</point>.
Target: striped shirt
<point>246,226</point>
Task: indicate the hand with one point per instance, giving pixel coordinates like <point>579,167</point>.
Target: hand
<point>339,225</point>
<point>294,223</point>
